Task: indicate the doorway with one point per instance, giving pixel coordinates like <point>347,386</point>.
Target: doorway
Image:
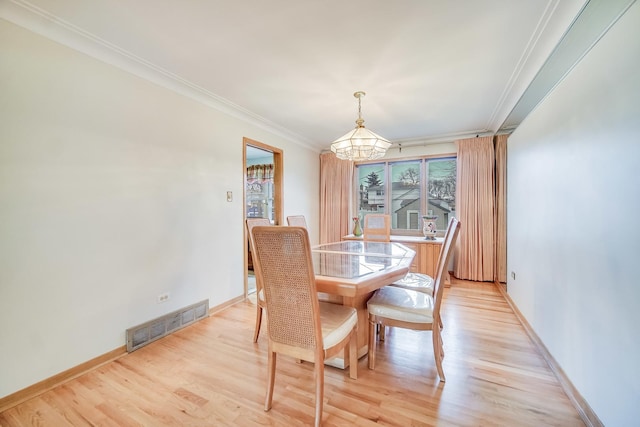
<point>262,194</point>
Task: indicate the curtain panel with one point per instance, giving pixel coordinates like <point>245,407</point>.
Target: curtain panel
<point>501,208</point>
<point>336,182</point>
<point>475,250</point>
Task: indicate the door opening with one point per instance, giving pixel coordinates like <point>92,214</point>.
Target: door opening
<point>262,194</point>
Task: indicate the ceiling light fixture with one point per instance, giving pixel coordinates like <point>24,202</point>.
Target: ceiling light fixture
<point>360,144</point>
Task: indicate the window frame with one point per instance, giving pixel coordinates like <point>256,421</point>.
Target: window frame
<point>424,183</point>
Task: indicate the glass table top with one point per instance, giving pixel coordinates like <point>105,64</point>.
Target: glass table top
<point>383,249</point>
<point>354,260</point>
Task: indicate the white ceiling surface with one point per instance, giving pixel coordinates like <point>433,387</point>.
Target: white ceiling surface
<point>432,70</point>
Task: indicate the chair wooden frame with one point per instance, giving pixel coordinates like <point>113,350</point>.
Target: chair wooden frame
<point>298,324</point>
<point>404,308</point>
<point>260,304</point>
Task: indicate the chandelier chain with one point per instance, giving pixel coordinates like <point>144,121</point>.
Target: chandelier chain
<point>360,121</point>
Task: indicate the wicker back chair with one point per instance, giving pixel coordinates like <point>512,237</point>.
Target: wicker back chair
<point>297,221</point>
<point>377,227</point>
<point>260,304</point>
<point>298,324</point>
<point>405,308</point>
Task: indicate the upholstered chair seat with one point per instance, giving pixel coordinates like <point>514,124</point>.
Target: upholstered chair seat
<point>403,305</point>
<point>416,282</point>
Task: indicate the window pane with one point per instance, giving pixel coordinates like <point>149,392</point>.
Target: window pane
<point>441,190</point>
<point>405,195</point>
<point>370,188</point>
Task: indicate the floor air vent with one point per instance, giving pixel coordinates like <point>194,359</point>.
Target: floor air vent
<point>143,334</point>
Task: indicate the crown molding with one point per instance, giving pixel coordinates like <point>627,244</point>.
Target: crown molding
<point>591,23</point>
<point>41,22</point>
<point>540,45</point>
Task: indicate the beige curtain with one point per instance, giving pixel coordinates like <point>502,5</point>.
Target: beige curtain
<point>475,256</point>
<point>336,182</point>
<point>501,209</point>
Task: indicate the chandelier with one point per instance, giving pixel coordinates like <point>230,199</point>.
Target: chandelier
<point>360,144</point>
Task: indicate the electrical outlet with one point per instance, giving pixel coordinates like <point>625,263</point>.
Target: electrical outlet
<point>163,297</point>
<point>229,196</point>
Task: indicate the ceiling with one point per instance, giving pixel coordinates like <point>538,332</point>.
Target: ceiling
<point>433,70</point>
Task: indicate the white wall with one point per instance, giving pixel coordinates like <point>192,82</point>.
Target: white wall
<point>112,191</point>
<point>573,237</point>
<point>303,196</point>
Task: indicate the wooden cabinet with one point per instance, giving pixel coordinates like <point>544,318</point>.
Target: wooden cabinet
<point>427,251</point>
<point>417,265</point>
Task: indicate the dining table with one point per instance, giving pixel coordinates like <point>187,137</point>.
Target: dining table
<point>348,272</point>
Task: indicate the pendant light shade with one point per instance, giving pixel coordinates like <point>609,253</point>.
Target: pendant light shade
<point>360,144</point>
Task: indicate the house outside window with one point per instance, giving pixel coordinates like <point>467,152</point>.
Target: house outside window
<point>407,190</point>
<point>371,179</point>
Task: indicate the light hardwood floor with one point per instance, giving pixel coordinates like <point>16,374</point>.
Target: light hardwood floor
<point>212,374</point>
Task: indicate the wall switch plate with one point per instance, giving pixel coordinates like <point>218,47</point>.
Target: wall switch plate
<point>513,275</point>
<point>229,196</point>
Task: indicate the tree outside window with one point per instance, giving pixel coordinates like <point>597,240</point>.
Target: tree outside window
<point>370,189</point>
<point>441,190</point>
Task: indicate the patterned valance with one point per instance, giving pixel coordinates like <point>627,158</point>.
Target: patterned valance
<point>259,173</point>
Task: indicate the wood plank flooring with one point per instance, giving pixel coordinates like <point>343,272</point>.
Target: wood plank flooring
<point>212,374</point>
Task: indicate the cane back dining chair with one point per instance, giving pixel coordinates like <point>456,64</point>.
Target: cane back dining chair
<point>377,227</point>
<point>299,325</point>
<point>260,304</point>
<point>405,308</point>
<point>297,221</point>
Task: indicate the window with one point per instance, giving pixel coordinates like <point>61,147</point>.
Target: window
<point>371,188</point>
<point>405,195</point>
<point>441,190</point>
<point>408,190</point>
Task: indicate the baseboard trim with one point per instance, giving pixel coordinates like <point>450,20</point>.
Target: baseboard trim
<point>51,382</point>
<point>587,414</point>
<point>218,308</point>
